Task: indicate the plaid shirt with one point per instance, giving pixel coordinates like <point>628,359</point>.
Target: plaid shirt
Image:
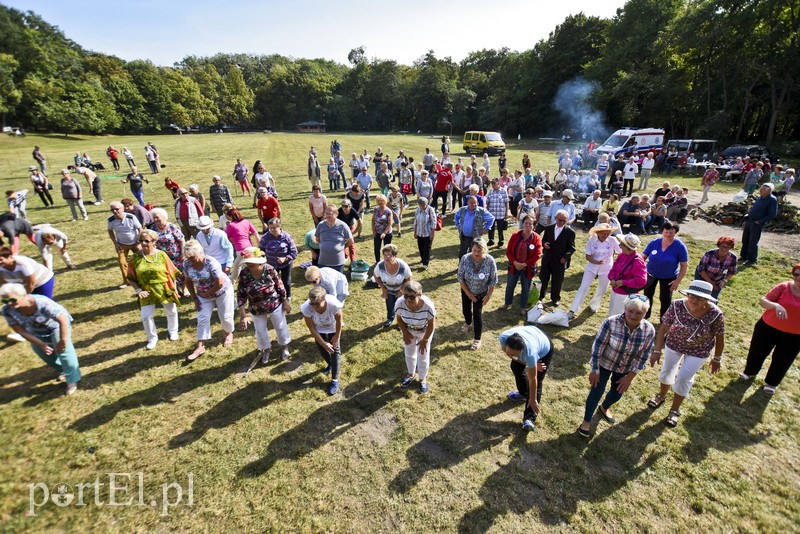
<point>715,268</point>
<point>497,202</point>
<point>619,349</point>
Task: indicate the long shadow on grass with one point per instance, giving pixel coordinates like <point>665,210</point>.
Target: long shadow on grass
<point>240,403</point>
<point>554,476</point>
<point>362,398</point>
<point>163,392</point>
<point>464,436</point>
<point>726,423</point>
<point>114,309</point>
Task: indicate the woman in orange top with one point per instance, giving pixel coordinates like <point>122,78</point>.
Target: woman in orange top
<point>778,329</point>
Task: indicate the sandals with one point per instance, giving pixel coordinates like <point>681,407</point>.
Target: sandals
<point>672,418</point>
<point>476,344</point>
<point>656,401</point>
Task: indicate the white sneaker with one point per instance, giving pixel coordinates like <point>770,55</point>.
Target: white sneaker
<point>151,344</point>
<point>97,203</point>
<point>123,286</point>
<point>285,354</point>
<point>71,388</point>
<point>86,218</point>
<point>15,337</point>
<point>174,337</point>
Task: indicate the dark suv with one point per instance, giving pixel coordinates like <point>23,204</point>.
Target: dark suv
<point>754,151</point>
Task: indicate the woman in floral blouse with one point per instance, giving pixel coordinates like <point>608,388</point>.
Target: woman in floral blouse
<point>692,327</point>
<point>170,240</point>
<point>477,275</point>
<point>261,287</point>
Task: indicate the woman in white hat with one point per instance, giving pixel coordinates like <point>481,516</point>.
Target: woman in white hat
<point>261,287</point>
<point>41,186</point>
<point>710,177</point>
<point>690,329</point>
<point>628,275</point>
<point>600,252</point>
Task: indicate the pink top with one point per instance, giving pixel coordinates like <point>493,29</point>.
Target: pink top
<point>782,294</point>
<point>239,233</point>
<point>318,205</point>
<point>631,270</point>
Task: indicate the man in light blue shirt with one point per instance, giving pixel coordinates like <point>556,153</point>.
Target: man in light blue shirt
<point>364,179</point>
<point>564,204</point>
<point>472,222</point>
<point>530,351</point>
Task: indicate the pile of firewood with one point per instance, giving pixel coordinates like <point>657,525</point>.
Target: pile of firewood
<point>733,213</point>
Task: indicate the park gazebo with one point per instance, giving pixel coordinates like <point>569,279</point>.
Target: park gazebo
<point>311,127</point>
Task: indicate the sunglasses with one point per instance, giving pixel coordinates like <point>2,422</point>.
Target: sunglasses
<point>146,240</point>
<point>638,297</point>
<point>9,300</point>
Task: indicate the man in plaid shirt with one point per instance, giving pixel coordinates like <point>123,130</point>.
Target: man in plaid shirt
<point>620,350</point>
<point>497,205</point>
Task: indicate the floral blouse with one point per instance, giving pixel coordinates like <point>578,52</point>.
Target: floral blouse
<point>478,277</point>
<point>206,277</point>
<point>43,322</point>
<point>691,335</point>
<point>170,241</point>
<point>264,294</point>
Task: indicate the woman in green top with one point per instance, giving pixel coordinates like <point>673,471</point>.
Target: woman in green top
<point>152,275</point>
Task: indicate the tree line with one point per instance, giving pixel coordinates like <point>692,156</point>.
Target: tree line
<point>725,69</point>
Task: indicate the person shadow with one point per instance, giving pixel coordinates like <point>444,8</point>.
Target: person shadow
<point>727,423</point>
<point>362,398</point>
<point>464,436</point>
<point>556,475</point>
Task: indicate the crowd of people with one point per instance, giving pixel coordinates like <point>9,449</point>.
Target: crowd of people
<point>233,263</point>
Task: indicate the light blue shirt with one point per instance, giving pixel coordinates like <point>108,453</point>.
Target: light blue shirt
<point>555,206</point>
<point>537,344</point>
<point>364,180</point>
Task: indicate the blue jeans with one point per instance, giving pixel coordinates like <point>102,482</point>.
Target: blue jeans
<point>511,285</point>
<point>139,196</point>
<point>335,359</point>
<point>596,392</point>
<point>391,298</point>
<point>339,268</point>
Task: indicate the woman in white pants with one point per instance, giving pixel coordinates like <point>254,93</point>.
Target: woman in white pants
<point>209,286</point>
<point>261,286</point>
<point>151,274</point>
<point>416,317</point>
<point>600,252</point>
<point>692,327</point>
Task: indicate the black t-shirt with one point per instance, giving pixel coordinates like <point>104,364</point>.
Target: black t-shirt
<point>136,181</point>
<point>350,218</point>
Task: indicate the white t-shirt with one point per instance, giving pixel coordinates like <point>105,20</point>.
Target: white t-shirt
<point>415,320</point>
<point>393,281</point>
<point>334,282</point>
<point>630,171</point>
<point>648,163</point>
<point>24,268</point>
<point>326,321</point>
<point>601,250</point>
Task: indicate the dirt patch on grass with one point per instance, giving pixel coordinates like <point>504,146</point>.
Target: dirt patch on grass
<point>786,244</point>
<point>378,428</point>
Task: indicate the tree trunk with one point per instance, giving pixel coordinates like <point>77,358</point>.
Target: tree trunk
<point>745,109</point>
<point>777,104</point>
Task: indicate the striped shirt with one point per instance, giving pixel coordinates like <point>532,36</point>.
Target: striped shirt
<point>619,349</point>
<point>415,320</point>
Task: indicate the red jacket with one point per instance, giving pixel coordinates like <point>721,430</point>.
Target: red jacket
<point>527,250</point>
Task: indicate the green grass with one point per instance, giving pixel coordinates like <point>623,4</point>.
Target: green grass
<point>272,452</point>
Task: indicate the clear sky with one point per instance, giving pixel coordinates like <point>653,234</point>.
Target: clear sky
<point>166,31</point>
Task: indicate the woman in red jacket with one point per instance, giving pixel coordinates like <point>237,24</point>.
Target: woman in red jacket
<point>523,252</point>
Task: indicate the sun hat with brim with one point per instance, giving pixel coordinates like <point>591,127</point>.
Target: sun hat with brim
<point>547,194</point>
<point>253,255</point>
<point>205,222</point>
<point>629,240</point>
<point>602,227</point>
<point>568,193</point>
<point>32,168</point>
<point>700,288</point>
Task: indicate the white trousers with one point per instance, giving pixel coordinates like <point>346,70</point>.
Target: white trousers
<point>682,383</point>
<point>616,304</point>
<point>236,268</point>
<point>148,311</point>
<point>225,304</point>
<point>47,254</point>
<point>416,362</point>
<point>602,287</point>
<point>278,319</point>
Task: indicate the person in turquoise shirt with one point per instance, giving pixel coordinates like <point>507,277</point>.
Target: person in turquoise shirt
<point>530,351</point>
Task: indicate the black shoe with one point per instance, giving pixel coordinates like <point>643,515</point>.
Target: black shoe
<point>490,243</point>
<point>500,244</point>
<point>555,303</point>
<point>610,419</point>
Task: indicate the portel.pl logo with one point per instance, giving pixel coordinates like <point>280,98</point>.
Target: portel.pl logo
<point>114,489</point>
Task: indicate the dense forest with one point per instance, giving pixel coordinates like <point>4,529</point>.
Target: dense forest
<point>726,69</point>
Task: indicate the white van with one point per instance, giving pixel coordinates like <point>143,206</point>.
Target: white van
<point>633,142</point>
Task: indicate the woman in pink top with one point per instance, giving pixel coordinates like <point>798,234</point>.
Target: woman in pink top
<point>317,203</point>
<point>239,231</point>
<point>628,274</point>
<point>777,332</point>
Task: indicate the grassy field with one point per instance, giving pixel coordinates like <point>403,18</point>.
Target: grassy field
<point>272,452</point>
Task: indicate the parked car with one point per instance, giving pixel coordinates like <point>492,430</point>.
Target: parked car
<point>632,142</point>
<point>703,149</point>
<point>478,142</point>
<point>754,151</point>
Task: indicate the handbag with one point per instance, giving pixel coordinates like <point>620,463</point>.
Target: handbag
<point>438,226</point>
<point>405,189</point>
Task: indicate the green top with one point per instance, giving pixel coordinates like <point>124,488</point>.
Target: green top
<point>156,275</point>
